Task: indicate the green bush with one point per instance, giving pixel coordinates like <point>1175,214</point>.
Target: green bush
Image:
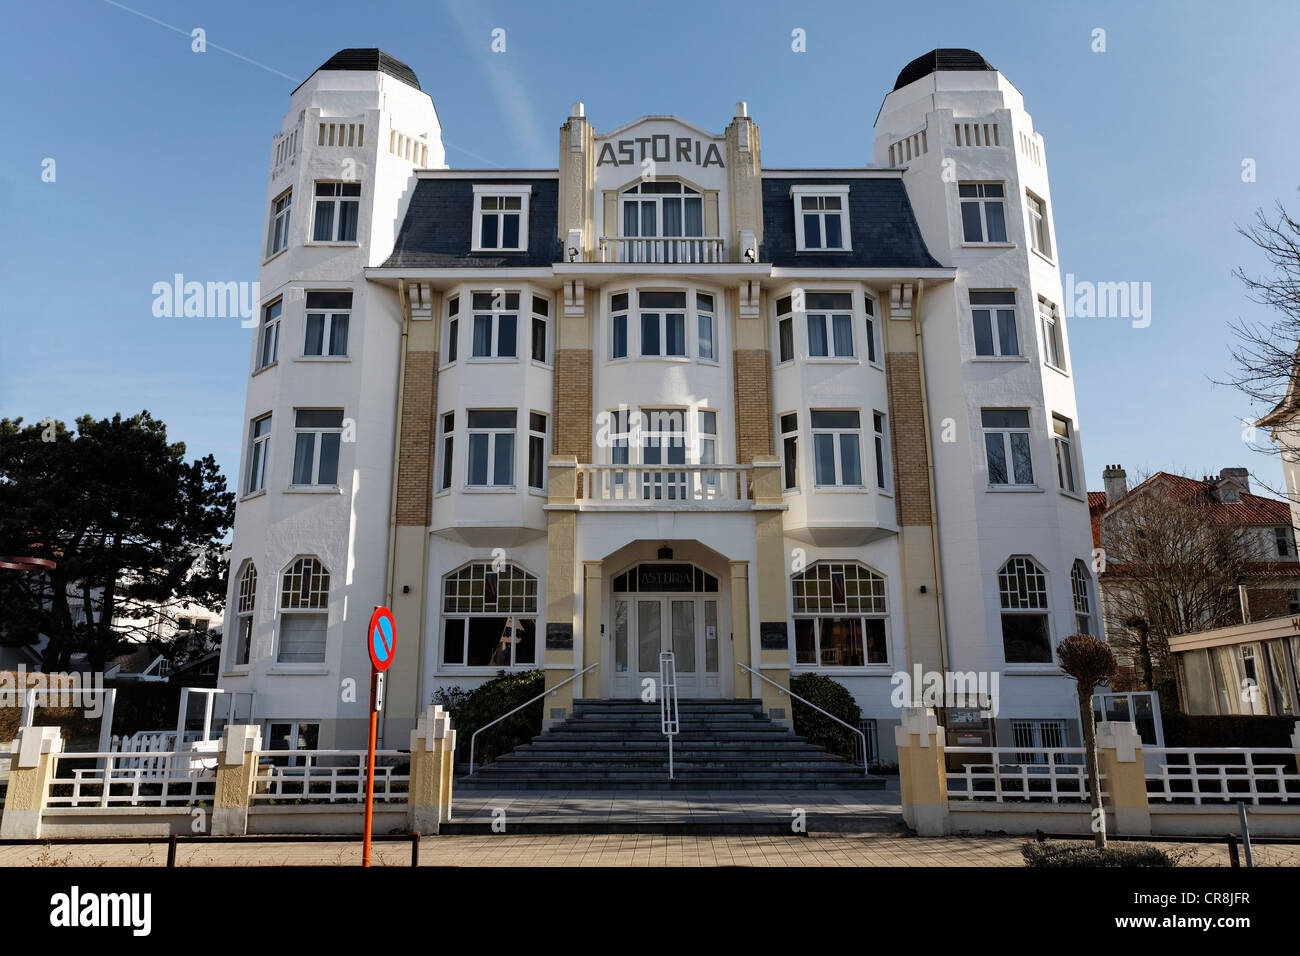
<point>1086,854</point>
<point>835,698</point>
<point>471,710</point>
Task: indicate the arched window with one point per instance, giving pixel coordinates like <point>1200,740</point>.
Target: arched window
<point>244,613</point>
<point>662,208</point>
<point>1022,589</point>
<point>1082,606</point>
<point>489,617</point>
<point>839,616</point>
<point>304,612</point>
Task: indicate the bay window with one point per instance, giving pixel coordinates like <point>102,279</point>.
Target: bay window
<point>839,616</point>
<point>837,447</point>
<point>489,617</point>
<point>492,448</point>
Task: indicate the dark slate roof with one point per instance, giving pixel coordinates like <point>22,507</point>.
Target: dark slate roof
<point>436,232</point>
<point>369,59</point>
<point>943,59</point>
<point>882,227</point>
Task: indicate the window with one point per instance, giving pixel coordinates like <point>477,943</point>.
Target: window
<point>1036,736</point>
<point>871,329</point>
<point>448,428</point>
<point>327,323</point>
<point>1050,325</point>
<point>618,325</point>
<point>268,351</point>
<point>837,454</point>
<point>993,315</point>
<point>1064,456</point>
<point>704,319</point>
<point>1039,236</point>
<point>1022,589</point>
<point>1285,546</point>
<point>785,329</point>
<point>453,328</point>
<point>316,436</point>
<point>708,439</point>
<point>501,218</point>
<point>839,616</point>
<point>292,735</point>
<point>536,450</point>
<point>663,442</point>
<point>244,614</point>
<point>492,448</point>
<point>790,449</point>
<point>663,323</point>
<point>662,209</point>
<point>489,617</point>
<point>1006,443</point>
<point>830,324</point>
<point>277,235</point>
<point>983,212</point>
<point>304,612</point>
<point>259,447</point>
<point>337,207</point>
<point>541,314</point>
<point>819,220</point>
<point>1082,605</point>
<point>878,426</point>
<point>496,321</point>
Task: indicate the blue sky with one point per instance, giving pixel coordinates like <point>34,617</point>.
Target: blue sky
<point>162,155</point>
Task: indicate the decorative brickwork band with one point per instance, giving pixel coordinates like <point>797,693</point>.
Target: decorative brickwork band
<point>907,439</point>
<point>415,464</point>
<point>573,414</point>
<point>753,404</point>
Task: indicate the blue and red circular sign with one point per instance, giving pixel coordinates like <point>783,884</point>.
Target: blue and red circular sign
<point>382,638</point>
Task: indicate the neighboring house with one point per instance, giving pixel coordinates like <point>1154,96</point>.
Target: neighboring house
<point>1249,668</point>
<point>658,397</point>
<point>1270,584</point>
<point>199,672</point>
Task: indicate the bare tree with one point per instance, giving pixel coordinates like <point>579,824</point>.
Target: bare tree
<point>1170,569</point>
<point>1091,663</point>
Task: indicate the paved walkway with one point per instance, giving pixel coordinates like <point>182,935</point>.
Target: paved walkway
<point>838,849</point>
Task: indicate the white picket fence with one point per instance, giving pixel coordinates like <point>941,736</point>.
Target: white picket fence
<point>1197,775</point>
<point>328,776</point>
<point>1055,774</point>
<point>114,779</point>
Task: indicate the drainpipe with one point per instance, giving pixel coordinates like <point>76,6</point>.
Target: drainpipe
<point>929,461</point>
<point>397,445</point>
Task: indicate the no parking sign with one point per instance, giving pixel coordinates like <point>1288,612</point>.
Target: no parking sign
<point>381,638</point>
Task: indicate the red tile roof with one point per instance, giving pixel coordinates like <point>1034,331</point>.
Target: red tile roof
<point>1247,510</point>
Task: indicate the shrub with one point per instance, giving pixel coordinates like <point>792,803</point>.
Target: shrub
<point>835,698</point>
<point>471,710</point>
<point>1087,854</point>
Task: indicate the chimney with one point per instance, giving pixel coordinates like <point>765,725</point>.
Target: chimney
<point>1115,482</point>
<point>1238,478</point>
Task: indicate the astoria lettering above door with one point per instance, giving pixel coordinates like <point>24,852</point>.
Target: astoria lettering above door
<point>661,148</point>
<point>665,577</point>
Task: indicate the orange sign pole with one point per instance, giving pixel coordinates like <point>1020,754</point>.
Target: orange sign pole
<point>370,770</point>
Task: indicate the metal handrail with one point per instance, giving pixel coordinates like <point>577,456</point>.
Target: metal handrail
<point>668,718</point>
<point>521,707</point>
<point>866,770</point>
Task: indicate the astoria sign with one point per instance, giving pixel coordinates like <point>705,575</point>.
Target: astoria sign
<point>660,148</point>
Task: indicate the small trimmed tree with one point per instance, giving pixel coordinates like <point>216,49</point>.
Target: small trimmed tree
<point>1091,663</point>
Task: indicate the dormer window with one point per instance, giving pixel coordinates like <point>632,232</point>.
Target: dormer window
<point>821,218</point>
<point>662,209</point>
<point>501,218</point>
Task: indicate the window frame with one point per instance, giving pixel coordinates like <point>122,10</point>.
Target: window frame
<point>1006,433</point>
<point>663,313</point>
<point>822,192</point>
<point>994,313</point>
<point>620,311</point>
<point>318,433</point>
<point>452,350</point>
<point>336,203</point>
<point>494,317</point>
<point>635,194</point>
<point>500,191</point>
<point>1063,453</point>
<point>1024,566</point>
<point>259,452</point>
<point>880,437</point>
<point>449,608</point>
<point>982,200</point>
<point>1081,597</point>
<point>277,230</point>
<point>838,433</point>
<point>269,332</point>
<point>543,318</point>
<point>245,607</point>
<point>492,432</point>
<point>329,326</point>
<point>1039,227</point>
<point>788,423</point>
<point>447,423</point>
<point>537,440</point>
<point>1049,328</point>
<point>873,606</point>
<point>313,599</point>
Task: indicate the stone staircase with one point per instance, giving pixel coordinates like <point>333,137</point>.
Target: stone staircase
<point>618,745</point>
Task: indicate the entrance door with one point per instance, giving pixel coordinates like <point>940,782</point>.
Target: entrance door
<point>687,625</point>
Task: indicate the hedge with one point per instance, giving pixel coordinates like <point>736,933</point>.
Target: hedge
<point>835,698</point>
<point>471,710</point>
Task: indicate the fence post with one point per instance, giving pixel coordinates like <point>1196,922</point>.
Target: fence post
<point>30,773</point>
<point>424,796</point>
<point>922,775</point>
<point>1119,760</point>
<point>237,757</point>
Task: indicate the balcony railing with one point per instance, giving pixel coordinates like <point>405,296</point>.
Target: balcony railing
<point>719,487</point>
<point>680,251</point>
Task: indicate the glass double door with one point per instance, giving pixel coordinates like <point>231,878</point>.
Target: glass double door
<point>647,624</point>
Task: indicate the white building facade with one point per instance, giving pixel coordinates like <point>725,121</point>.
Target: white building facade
<point>660,398</point>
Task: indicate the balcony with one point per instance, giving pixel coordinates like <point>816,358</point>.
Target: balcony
<point>685,487</point>
<point>680,251</point>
